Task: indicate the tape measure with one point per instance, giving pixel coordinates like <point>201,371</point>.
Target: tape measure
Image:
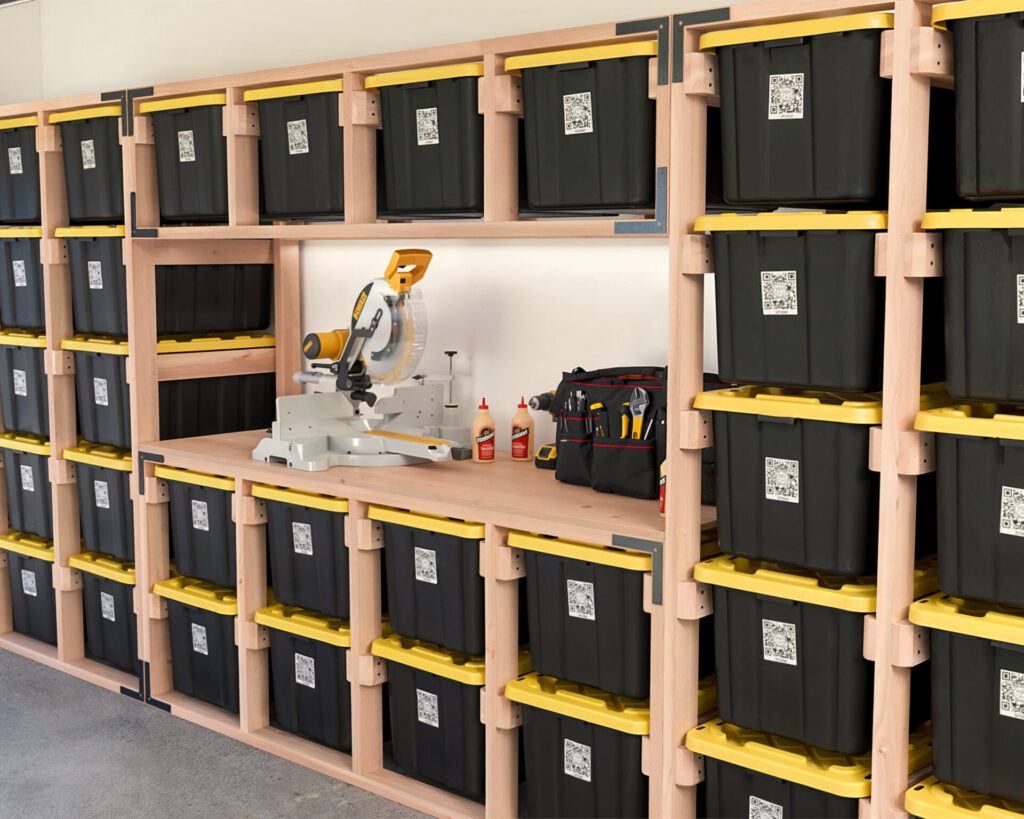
<point>545,457</point>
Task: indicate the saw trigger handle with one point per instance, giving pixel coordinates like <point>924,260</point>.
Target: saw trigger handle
<point>325,345</point>
<point>401,281</point>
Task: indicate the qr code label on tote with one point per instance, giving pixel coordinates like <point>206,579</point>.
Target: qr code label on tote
<point>778,293</point>
<point>778,641</point>
<point>101,491</point>
<point>1011,512</point>
<point>425,565</point>
<point>426,708</point>
<point>20,382</point>
<point>1011,694</point>
<point>298,137</point>
<point>107,609</point>
<point>100,396</point>
<point>14,161</point>
<point>200,516</point>
<point>786,96</point>
<point>1022,76</point>
<point>28,480</point>
<point>186,147</point>
<point>576,760</point>
<point>302,538</point>
<point>199,642</point>
<point>427,132</point>
<point>763,809</point>
<point>782,480</point>
<point>578,113</point>
<point>581,599</point>
<point>28,583</point>
<point>88,155</point>
<point>95,275</point>
<point>18,269</point>
<point>305,670</point>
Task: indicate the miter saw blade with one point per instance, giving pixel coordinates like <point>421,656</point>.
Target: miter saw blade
<point>393,352</point>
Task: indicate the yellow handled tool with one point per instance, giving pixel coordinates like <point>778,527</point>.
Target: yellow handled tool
<point>638,402</point>
<point>325,345</point>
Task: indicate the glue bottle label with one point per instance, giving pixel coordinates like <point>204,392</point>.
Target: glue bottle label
<point>485,444</point>
<point>520,442</point>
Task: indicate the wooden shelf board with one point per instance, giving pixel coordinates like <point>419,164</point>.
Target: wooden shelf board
<point>85,669</point>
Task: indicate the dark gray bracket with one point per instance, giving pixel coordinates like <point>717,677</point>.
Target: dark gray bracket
<point>140,233</point>
<point>139,695</point>
<point>654,549</point>
<point>680,22</point>
<point>143,457</point>
<point>163,706</point>
<point>658,24</point>
<point>659,223</point>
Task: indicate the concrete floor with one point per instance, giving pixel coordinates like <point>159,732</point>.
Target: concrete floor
<point>69,749</point>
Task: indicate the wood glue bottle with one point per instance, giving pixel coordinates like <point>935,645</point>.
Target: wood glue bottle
<point>483,435</point>
<point>522,433</point>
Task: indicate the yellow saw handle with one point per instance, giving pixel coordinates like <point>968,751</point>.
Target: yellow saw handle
<point>402,281</point>
<point>325,345</point>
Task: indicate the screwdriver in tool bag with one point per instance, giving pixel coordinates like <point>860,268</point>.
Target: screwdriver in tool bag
<point>597,410</point>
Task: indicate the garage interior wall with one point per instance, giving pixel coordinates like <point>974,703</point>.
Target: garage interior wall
<point>518,312</point>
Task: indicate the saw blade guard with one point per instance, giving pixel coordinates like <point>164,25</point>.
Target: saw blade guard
<point>393,353</point>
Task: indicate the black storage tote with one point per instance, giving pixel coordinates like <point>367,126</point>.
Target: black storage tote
<point>33,600</point>
<point>789,650</point>
<point>306,549</point>
<point>92,162</point>
<point>586,610</point>
<point>24,401</point>
<point>108,594</point>
<point>191,157</point>
<point>19,171</point>
<point>103,475</point>
<point>21,279</point>
<point>202,526</point>
<point>312,694</point>
<point>101,389</point>
<point>435,591</point>
<point>581,748</point>
<point>805,114</point>
<point>26,460</point>
<point>301,157</point>
<point>99,300</point>
<point>433,140</point>
<point>204,657</point>
<point>932,799</point>
<point>794,485</point>
<point>589,126</point>
<point>798,303</point>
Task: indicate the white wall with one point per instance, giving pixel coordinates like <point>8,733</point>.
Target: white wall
<point>21,68</point>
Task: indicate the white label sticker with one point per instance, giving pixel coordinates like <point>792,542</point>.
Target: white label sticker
<point>577,113</point>
<point>199,644</point>
<point>426,708</point>
<point>302,538</point>
<point>305,670</point>
<point>298,138</point>
<point>107,607</point>
<point>425,565</point>
<point>1022,76</point>
<point>763,809</point>
<point>20,382</point>
<point>88,155</point>
<point>1011,694</point>
<point>782,480</point>
<point>14,161</point>
<point>576,760</point>
<point>426,127</point>
<point>786,96</point>
<point>779,642</point>
<point>1011,512</point>
<point>18,269</point>
<point>95,275</point>
<point>581,599</point>
<point>186,147</point>
<point>28,583</point>
<point>28,480</point>
<point>778,293</point>
<point>200,516</point>
<point>100,396</point>
<point>101,492</point>
<point>1020,298</point>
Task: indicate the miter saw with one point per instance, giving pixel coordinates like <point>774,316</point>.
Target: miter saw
<point>384,345</point>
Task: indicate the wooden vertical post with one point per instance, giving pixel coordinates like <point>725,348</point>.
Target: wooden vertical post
<point>359,139</point>
<point>253,642</point>
<point>500,102</point>
<point>287,316</point>
<point>242,130</point>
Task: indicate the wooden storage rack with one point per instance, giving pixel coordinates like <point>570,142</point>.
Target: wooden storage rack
<point>683,83</point>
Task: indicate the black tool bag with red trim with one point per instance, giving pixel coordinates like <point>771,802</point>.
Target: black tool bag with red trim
<point>611,429</point>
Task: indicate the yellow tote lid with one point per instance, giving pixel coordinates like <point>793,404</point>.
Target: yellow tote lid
<point>89,231</point>
<point>86,113</point>
<point>305,623</point>
<point>430,523</point>
<point>22,338</point>
<point>84,343</point>
<point>294,90</point>
<point>200,594</point>
<point>100,455</point>
<point>816,588</point>
<point>23,442</point>
<point>21,233</point>
<point>28,545</point>
<point>804,220</point>
<point>441,72</point>
<point>18,122</point>
<point>110,568</point>
<point>605,555</point>
<point>174,103</point>
<point>980,420</point>
<point>581,702</point>
<point>179,475</point>
<point>988,621</point>
<point>796,28</point>
<point>434,659</point>
<point>932,799</point>
<point>707,694</point>
<point>967,219</point>
<point>95,344</point>
<point>973,8</point>
<point>615,51</point>
<point>299,497</point>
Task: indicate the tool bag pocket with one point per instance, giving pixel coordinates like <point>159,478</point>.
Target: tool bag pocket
<point>575,447</point>
<point>626,468</point>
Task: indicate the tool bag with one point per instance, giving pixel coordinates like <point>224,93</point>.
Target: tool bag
<point>600,442</point>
